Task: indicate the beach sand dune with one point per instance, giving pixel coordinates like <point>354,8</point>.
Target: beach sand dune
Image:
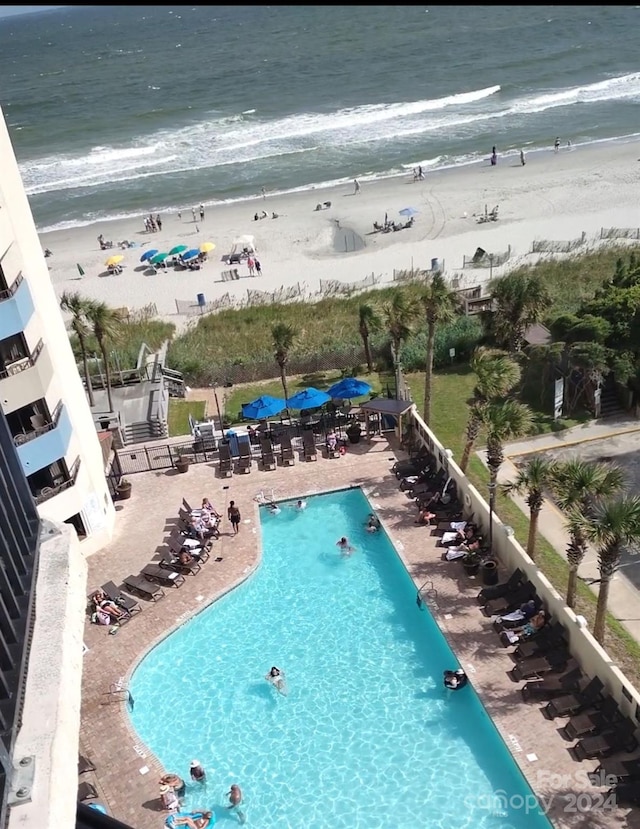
<point>555,196</point>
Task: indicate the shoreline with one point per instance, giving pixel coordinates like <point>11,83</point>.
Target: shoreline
<point>554,196</point>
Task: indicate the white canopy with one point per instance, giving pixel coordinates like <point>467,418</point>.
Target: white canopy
<point>243,242</point>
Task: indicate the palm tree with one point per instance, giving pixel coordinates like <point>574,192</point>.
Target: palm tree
<point>105,323</point>
<point>532,481</point>
<point>399,315</point>
<point>496,374</point>
<point>78,306</point>
<point>284,337</point>
<point>520,299</point>
<point>503,421</point>
<point>440,306</point>
<point>577,485</point>
<point>368,322</point>
<point>614,524</point>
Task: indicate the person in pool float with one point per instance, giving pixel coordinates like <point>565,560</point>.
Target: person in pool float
<point>345,548</point>
<point>373,524</point>
<point>235,799</point>
<point>192,822</point>
<point>454,680</point>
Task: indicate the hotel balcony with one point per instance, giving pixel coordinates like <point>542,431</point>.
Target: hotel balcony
<point>48,482</point>
<point>24,375</point>
<point>16,305</point>
<point>40,438</point>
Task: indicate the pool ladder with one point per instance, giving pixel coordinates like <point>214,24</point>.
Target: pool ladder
<point>117,693</point>
<point>427,595</point>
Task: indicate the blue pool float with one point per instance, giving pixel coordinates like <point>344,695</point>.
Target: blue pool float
<point>171,820</point>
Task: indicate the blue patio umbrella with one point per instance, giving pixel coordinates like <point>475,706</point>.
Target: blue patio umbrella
<point>263,407</point>
<point>408,211</point>
<point>348,388</point>
<point>148,254</point>
<point>308,399</point>
<point>191,254</point>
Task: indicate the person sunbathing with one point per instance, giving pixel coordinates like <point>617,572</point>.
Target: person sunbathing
<point>103,603</point>
<point>192,821</point>
<point>332,441</point>
<point>460,552</point>
<point>525,612</point>
<point>425,516</point>
<point>529,629</point>
<point>184,557</point>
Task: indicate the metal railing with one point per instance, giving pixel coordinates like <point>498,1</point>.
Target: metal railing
<point>25,437</point>
<point>48,492</point>
<point>23,363</point>
<point>7,293</point>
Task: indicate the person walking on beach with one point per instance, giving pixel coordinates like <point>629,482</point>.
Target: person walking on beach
<point>159,222</point>
<point>202,212</point>
<point>233,514</point>
<point>179,215</point>
<point>494,157</point>
<point>193,213</point>
<point>263,192</point>
<point>556,145</point>
<point>250,265</point>
<point>356,185</point>
<point>258,267</point>
<point>522,159</point>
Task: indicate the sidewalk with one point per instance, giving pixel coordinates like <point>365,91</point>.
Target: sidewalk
<point>624,598</point>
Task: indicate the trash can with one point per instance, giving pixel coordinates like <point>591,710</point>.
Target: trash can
<point>490,572</point>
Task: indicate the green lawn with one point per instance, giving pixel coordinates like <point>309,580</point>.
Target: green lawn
<point>179,411</point>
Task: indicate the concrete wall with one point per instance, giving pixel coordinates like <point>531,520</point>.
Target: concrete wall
<point>593,659</point>
<point>90,495</point>
<point>51,716</point>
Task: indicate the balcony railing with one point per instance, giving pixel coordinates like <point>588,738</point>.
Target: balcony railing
<point>25,437</point>
<point>48,492</point>
<point>23,363</point>
<point>10,291</point>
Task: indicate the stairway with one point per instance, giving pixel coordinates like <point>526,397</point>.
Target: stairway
<point>609,402</point>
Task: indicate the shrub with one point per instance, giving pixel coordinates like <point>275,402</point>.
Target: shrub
<point>463,334</point>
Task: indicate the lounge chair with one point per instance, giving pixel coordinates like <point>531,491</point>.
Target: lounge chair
<point>575,703</point>
<point>87,791</point>
<point>553,662</point>
<point>139,585</point>
<point>85,765</point>
<point>605,715</point>
<point>510,601</point>
<point>225,467</point>
<point>197,548</point>
<point>551,635</point>
<point>621,769</point>
<point>171,562</point>
<point>244,459</point>
<point>160,575</point>
<point>186,506</point>
<point>309,446</point>
<point>501,624</point>
<point>412,466</point>
<point>268,458</point>
<point>286,450</point>
<point>121,599</point>
<point>552,686</point>
<point>497,591</point>
<point>619,738</point>
<point>625,794</point>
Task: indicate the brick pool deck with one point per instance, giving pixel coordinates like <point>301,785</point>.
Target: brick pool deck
<point>127,773</point>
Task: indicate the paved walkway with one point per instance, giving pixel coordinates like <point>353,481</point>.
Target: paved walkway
<point>605,438</point>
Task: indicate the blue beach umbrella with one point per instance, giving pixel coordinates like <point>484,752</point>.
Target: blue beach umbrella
<point>349,387</point>
<point>263,407</point>
<point>408,211</point>
<point>308,399</point>
<point>191,254</point>
<point>148,254</point>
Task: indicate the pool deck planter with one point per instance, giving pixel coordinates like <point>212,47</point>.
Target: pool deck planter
<point>106,731</point>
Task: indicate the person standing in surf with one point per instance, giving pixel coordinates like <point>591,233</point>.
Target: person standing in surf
<point>494,157</point>
<point>522,158</point>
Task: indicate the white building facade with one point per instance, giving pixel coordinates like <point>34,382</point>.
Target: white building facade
<point>41,392</point>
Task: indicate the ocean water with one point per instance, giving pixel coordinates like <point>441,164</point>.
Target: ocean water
<point>119,110</point>
<point>366,736</point>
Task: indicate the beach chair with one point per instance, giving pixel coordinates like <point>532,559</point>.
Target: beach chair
<point>85,765</point>
<point>141,587</point>
<point>511,601</point>
<point>625,794</point>
<point>87,791</point>
<point>225,467</point>
<point>309,445</point>
<point>122,600</point>
<point>268,458</point>
<point>197,548</point>
<point>159,575</point>
<point>621,769</point>
<point>553,662</point>
<point>553,686</point>
<point>244,457</point>
<point>171,562</point>
<point>619,738</point>
<point>550,635</point>
<point>186,506</point>
<point>574,703</point>
<point>606,714</point>
<point>286,450</point>
<point>498,591</point>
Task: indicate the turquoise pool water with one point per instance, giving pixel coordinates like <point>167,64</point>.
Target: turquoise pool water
<point>367,736</point>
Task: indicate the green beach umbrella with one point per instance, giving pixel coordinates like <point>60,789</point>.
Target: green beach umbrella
<point>177,249</point>
<point>159,258</point>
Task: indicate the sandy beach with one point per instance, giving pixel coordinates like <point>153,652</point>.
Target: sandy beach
<point>556,196</point>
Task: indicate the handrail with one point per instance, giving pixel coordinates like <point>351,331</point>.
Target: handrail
<point>23,363</point>
<point>51,491</point>
<point>25,437</point>
<point>7,293</point>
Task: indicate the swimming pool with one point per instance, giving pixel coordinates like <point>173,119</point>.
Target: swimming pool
<point>367,737</point>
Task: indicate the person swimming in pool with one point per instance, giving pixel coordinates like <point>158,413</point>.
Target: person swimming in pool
<point>274,509</point>
<point>454,680</point>
<point>276,678</point>
<point>345,548</point>
<point>300,505</point>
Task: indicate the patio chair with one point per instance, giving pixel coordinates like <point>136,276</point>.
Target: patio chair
<point>225,466</point>
<point>412,466</point>
<point>511,601</point>
<point>550,635</point>
<point>309,446</point>
<point>121,599</point>
<point>286,450</point>
<point>618,738</point>
<point>554,662</point>
<point>159,575</point>
<point>244,459</point>
<point>621,769</point>
<point>552,686</point>
<point>197,548</point>
<point>85,765</point>
<point>87,791</point>
<point>606,714</point>
<point>498,591</point>
<point>186,506</point>
<point>575,703</point>
<point>140,586</point>
<point>171,562</point>
<point>268,458</point>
